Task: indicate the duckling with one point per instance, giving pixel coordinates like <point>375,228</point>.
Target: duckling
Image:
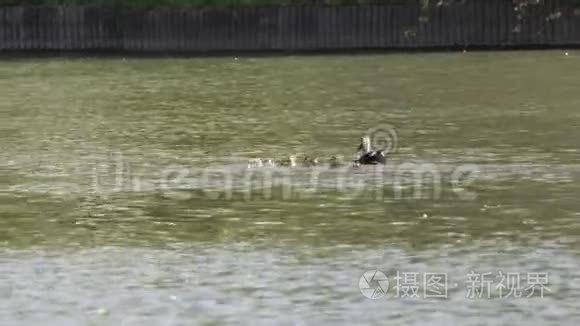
<point>335,162</point>
<point>289,162</point>
<point>255,163</point>
<point>269,163</point>
<point>310,161</point>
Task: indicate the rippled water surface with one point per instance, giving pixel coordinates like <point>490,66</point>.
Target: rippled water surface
<point>126,198</point>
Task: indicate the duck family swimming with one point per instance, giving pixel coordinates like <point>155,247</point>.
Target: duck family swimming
<point>365,155</point>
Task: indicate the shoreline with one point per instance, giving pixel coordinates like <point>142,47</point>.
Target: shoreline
<point>119,53</point>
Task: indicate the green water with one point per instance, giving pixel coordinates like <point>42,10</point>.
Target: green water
<point>126,198</point>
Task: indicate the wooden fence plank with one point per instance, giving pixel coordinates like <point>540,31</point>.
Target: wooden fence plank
<point>399,24</point>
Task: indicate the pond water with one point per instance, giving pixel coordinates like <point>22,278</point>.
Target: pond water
<point>126,198</point>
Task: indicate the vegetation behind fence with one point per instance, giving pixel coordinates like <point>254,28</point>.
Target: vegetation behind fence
<point>397,24</point>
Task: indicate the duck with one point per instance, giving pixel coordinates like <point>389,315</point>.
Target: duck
<point>269,163</point>
<point>335,162</point>
<point>289,162</point>
<point>310,161</point>
<point>258,162</point>
<point>368,156</point>
<point>255,163</point>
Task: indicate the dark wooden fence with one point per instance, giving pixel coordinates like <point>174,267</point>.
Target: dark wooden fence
<point>488,23</point>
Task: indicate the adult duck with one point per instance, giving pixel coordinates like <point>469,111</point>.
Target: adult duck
<point>367,156</point>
